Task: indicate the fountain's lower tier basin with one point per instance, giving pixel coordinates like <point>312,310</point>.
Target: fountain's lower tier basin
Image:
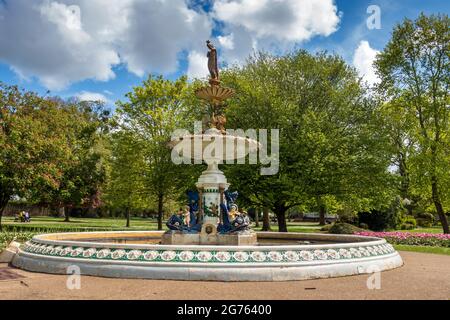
<point>340,256</point>
<point>236,239</point>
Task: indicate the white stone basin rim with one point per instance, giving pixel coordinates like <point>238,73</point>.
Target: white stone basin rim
<point>53,253</point>
<point>214,147</point>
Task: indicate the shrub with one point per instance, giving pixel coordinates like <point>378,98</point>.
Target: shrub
<point>326,227</point>
<point>344,228</point>
<point>408,223</point>
<point>424,223</point>
<point>364,226</point>
<point>425,219</point>
<point>377,220</point>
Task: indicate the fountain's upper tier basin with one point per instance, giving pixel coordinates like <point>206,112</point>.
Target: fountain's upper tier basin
<point>214,146</point>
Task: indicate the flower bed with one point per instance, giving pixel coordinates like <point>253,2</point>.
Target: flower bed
<point>415,239</point>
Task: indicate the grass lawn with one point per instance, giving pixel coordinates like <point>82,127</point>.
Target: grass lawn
<point>303,227</point>
<point>80,224</point>
<point>115,224</point>
<point>40,224</point>
<point>423,249</point>
<point>437,229</point>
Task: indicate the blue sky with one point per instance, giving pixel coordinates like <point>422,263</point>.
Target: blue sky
<point>105,49</point>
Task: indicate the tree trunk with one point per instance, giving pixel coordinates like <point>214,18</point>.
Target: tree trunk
<point>281,217</point>
<point>66,214</point>
<point>438,205</point>
<point>3,205</point>
<point>127,213</point>
<point>266,220</point>
<point>404,187</point>
<point>256,217</point>
<point>322,215</point>
<point>322,211</point>
<point>160,211</point>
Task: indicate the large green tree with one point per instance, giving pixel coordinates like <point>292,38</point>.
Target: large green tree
<point>34,149</point>
<point>415,71</point>
<point>126,184</point>
<point>152,113</point>
<point>83,175</point>
<point>330,145</point>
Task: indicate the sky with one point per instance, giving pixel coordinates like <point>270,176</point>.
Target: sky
<point>100,49</point>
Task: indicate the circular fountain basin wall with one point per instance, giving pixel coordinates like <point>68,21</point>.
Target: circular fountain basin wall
<point>277,257</point>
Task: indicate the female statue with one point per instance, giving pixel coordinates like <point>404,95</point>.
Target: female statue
<point>212,61</point>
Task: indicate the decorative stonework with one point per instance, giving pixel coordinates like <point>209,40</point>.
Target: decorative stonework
<point>211,256</point>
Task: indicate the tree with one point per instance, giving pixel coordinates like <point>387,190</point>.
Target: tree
<point>33,149</point>
<point>84,173</point>
<point>151,115</point>
<point>415,66</point>
<point>329,143</point>
<point>126,186</point>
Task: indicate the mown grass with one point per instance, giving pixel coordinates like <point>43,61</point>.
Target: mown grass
<point>423,249</point>
<point>51,224</point>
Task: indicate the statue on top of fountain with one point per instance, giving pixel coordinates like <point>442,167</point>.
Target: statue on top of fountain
<point>212,63</point>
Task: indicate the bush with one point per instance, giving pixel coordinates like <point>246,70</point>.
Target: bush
<point>408,223</point>
<point>364,226</point>
<point>425,219</point>
<point>376,220</point>
<point>388,218</point>
<point>344,228</point>
<point>424,223</point>
<point>326,227</point>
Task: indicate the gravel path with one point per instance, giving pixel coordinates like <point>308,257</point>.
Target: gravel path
<point>424,276</point>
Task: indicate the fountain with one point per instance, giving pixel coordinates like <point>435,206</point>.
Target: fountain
<point>213,215</point>
<point>211,240</point>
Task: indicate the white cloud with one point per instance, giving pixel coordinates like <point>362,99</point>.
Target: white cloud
<point>65,41</point>
<point>363,62</point>
<point>158,31</point>
<point>91,96</point>
<point>291,20</point>
<point>267,24</point>
<point>198,65</point>
<point>48,40</point>
<point>227,42</point>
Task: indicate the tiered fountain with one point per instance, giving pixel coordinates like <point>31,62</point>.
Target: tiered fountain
<point>211,241</point>
<point>213,218</point>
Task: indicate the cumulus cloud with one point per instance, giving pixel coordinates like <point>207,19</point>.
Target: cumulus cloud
<point>46,39</point>
<point>363,60</point>
<point>264,24</point>
<point>197,65</point>
<point>65,41</point>
<point>158,31</point>
<point>292,20</point>
<point>91,96</point>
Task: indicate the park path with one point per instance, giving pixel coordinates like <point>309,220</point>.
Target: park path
<point>424,276</point>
